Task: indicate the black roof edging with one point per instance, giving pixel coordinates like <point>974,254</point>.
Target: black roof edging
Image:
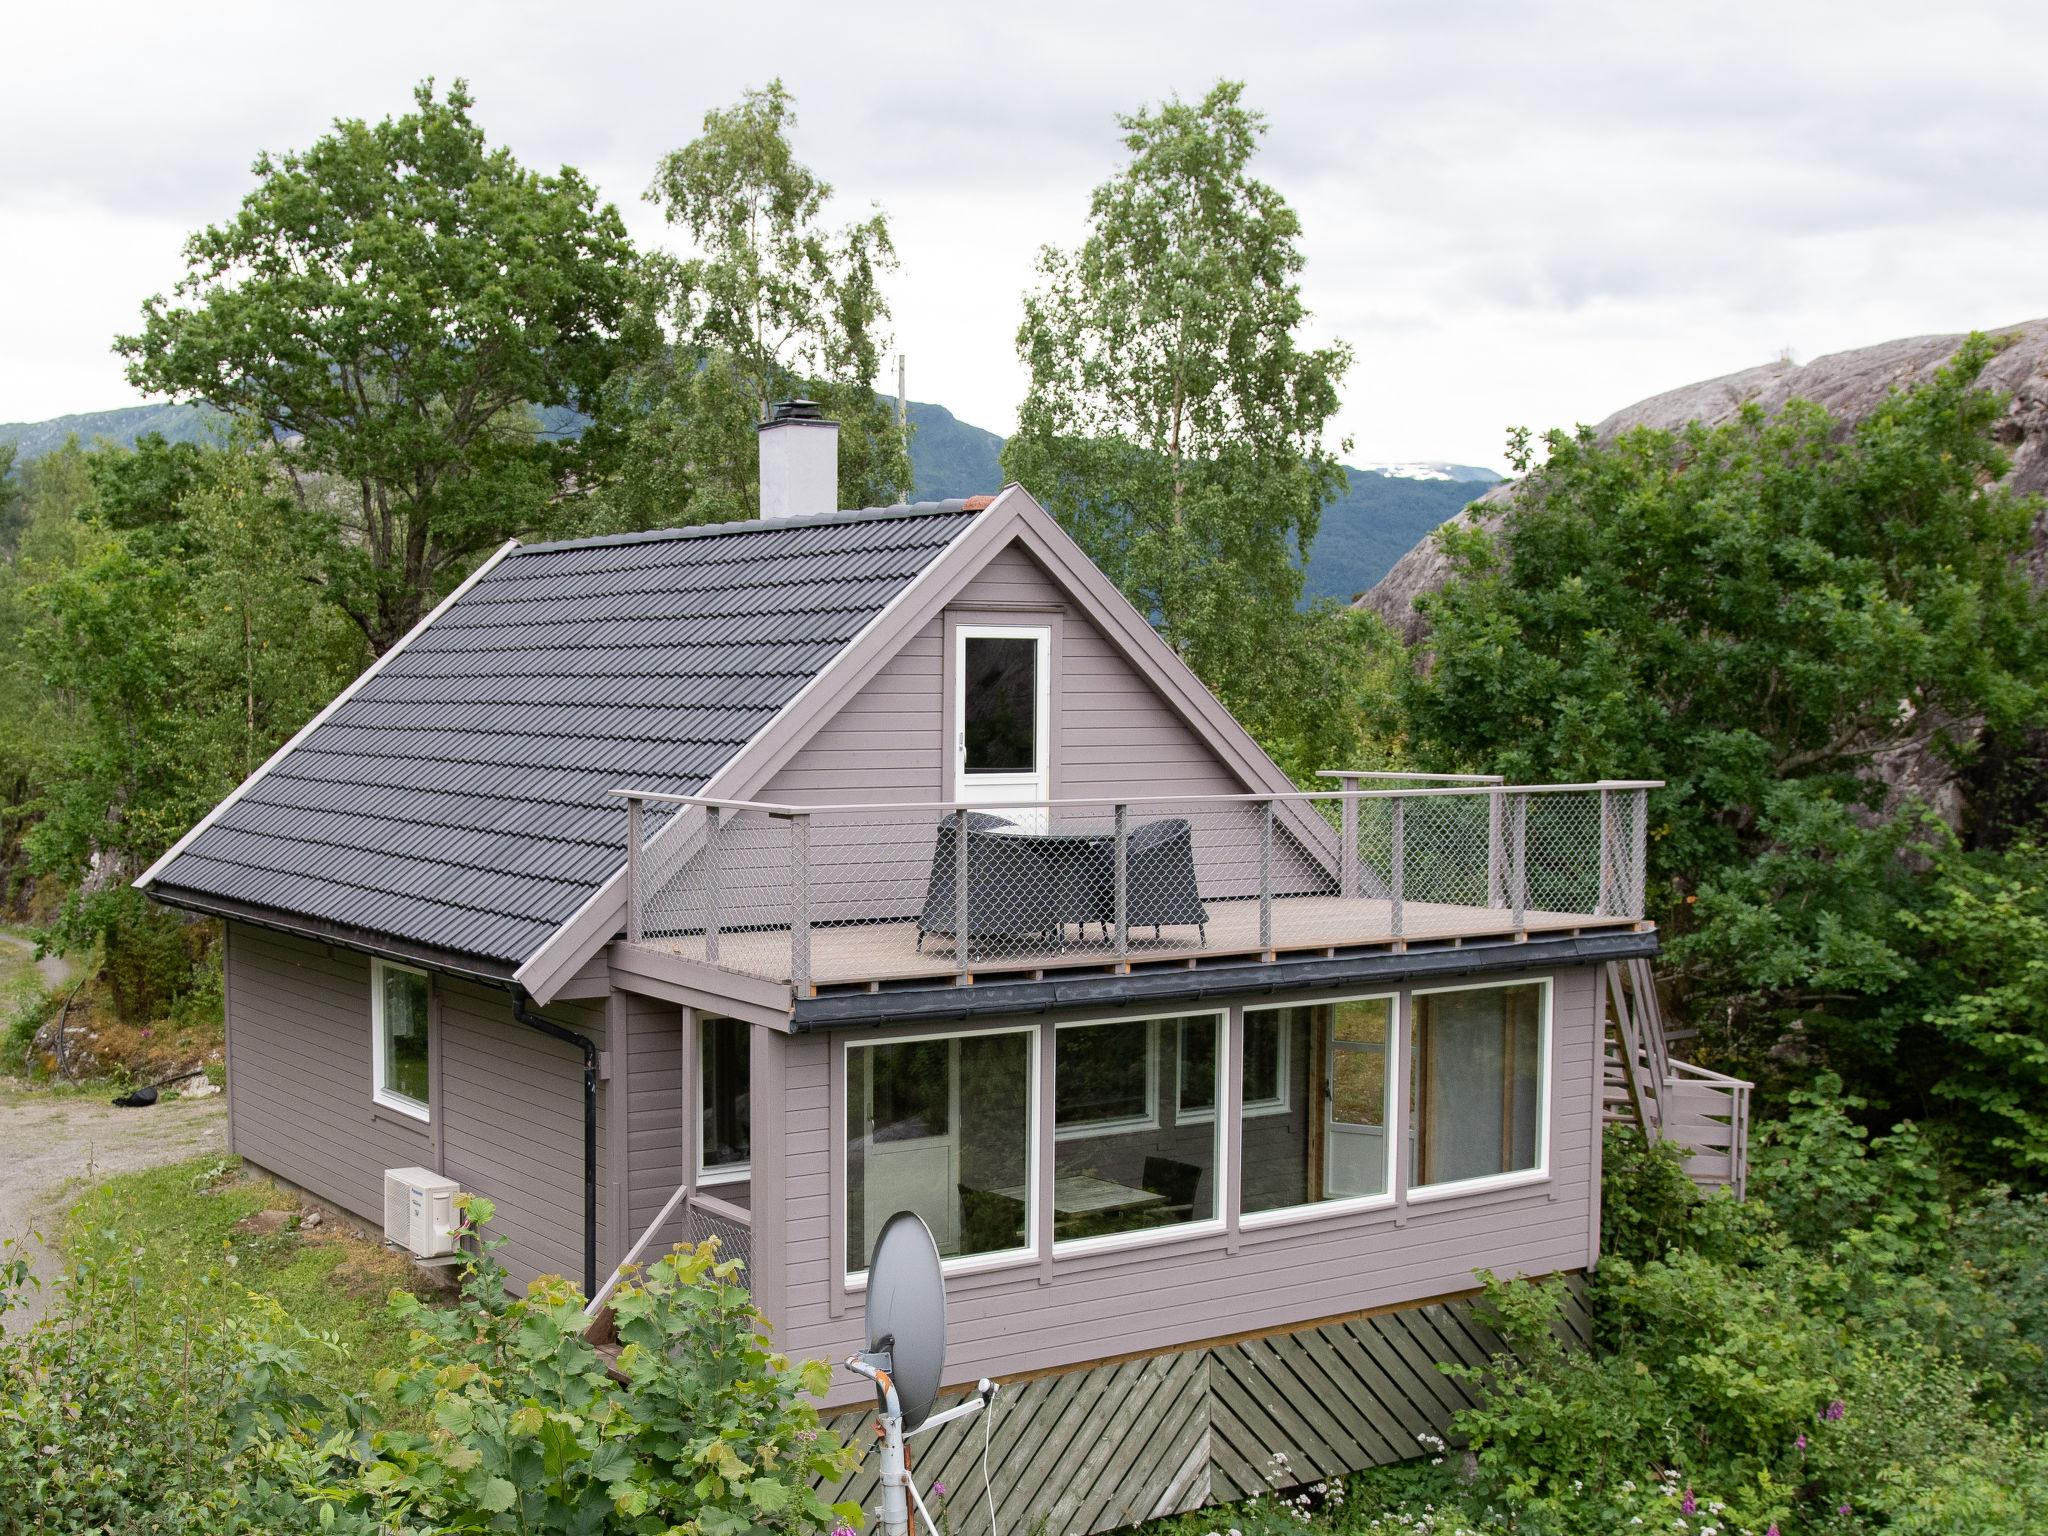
<point>951,505</point>
<point>1257,978</point>
<point>380,946</point>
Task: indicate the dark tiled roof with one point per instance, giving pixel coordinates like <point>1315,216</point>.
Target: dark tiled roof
<point>460,800</point>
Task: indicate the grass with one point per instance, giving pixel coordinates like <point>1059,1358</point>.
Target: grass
<point>185,1218</point>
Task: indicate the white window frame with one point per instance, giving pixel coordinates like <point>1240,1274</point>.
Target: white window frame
<point>1250,1109</point>
<point>1395,1088</point>
<point>1112,1242</point>
<point>1417,1194</point>
<point>1118,1125</point>
<point>966,1264</point>
<point>380,1094</point>
<point>724,1173</point>
<point>991,788</point>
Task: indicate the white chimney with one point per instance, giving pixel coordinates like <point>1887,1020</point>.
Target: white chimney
<point>799,461</point>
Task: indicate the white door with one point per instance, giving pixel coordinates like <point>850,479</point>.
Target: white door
<point>1002,695</point>
<point>1355,1100</point>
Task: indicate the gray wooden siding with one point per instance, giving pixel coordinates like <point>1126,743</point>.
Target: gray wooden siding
<point>1048,1315</point>
<point>1113,733</point>
<point>658,1122</point>
<point>508,1103</point>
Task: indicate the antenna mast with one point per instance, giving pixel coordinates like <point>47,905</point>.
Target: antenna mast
<point>902,416</point>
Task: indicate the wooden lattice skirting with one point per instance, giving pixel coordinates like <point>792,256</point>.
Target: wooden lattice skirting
<point>1112,1443</point>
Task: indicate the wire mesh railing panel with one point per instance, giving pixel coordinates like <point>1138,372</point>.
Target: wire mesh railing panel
<point>735,1238</point>
<point>855,893</point>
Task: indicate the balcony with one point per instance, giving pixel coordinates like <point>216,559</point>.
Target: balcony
<point>823,897</point>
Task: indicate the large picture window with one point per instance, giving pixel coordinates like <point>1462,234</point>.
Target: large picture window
<point>1125,1159</point>
<point>1108,1076</point>
<point>1329,1141</point>
<point>1477,1082</point>
<point>401,1022</point>
<point>725,1127</point>
<point>941,1125</point>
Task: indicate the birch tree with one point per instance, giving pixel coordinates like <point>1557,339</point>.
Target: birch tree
<point>1176,421</point>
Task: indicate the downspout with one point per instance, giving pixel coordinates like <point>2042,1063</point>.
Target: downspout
<point>554,1031</point>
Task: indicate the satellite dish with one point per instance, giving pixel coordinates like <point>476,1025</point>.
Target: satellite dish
<point>907,1312</point>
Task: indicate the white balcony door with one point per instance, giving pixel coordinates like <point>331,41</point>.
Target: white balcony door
<point>1002,707</point>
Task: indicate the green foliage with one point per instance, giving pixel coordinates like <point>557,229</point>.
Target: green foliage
<point>527,1430</point>
<point>772,304</point>
<point>1174,422</point>
<point>1851,1349</point>
<point>1978,1007</point>
<point>397,300</point>
<point>1760,613</point>
<point>139,1407</point>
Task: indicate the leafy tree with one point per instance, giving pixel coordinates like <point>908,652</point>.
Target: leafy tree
<point>1175,422</point>
<point>1773,615</point>
<point>1972,1025</point>
<point>398,300</point>
<point>13,502</point>
<point>772,304</point>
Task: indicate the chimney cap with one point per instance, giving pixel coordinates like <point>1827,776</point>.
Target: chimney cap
<point>796,411</point>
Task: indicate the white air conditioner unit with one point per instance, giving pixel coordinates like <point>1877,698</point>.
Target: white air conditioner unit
<point>419,1211</point>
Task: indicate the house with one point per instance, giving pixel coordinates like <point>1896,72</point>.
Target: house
<point>763,879</point>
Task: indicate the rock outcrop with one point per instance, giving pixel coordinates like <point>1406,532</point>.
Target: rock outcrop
<point>1849,384</point>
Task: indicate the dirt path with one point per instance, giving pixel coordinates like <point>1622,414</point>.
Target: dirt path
<point>55,970</point>
<point>53,1145</point>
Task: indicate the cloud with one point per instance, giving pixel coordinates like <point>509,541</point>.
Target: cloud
<point>1514,213</point>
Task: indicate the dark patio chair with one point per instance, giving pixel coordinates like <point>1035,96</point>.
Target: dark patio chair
<point>1005,897</point>
<point>1160,888</point>
<point>1176,1183</point>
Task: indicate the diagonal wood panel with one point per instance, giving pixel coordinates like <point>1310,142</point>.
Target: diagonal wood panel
<point>1101,1447</point>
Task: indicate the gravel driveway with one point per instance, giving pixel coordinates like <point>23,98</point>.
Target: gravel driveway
<point>53,1146</point>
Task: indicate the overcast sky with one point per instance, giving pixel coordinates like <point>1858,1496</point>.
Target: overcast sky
<point>1515,213</point>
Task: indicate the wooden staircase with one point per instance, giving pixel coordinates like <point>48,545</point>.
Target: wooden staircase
<point>1706,1113</point>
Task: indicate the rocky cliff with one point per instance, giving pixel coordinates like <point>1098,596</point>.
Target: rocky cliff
<point>1848,384</point>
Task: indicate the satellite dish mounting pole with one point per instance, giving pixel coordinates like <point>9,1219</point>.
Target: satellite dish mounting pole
<point>895,1487</point>
<point>906,1328</point>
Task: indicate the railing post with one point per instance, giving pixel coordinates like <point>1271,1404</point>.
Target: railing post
<point>1496,882</point>
<point>635,898</point>
<point>1123,876</point>
<point>1639,854</point>
<point>1347,856</point>
<point>1266,876</point>
<point>800,899</point>
<point>1397,860</point>
<point>1518,864</point>
<point>712,895</point>
<point>961,930</point>
<point>1603,899</point>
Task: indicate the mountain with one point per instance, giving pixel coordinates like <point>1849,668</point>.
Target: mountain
<point>176,423</point>
<point>947,456</point>
<point>1386,510</point>
<point>1850,385</point>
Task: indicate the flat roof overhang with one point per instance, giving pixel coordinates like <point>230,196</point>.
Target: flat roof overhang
<point>1219,980</point>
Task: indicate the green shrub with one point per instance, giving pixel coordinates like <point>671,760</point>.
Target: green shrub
<point>192,1408</point>
<point>28,1008</point>
<point>710,1431</point>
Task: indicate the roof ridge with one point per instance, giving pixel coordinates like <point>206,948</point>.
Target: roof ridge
<point>904,510</point>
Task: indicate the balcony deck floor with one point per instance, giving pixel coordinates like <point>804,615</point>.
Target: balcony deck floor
<point>854,954</point>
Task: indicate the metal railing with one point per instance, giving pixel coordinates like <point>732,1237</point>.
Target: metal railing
<point>817,894</point>
<point>704,1217</point>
